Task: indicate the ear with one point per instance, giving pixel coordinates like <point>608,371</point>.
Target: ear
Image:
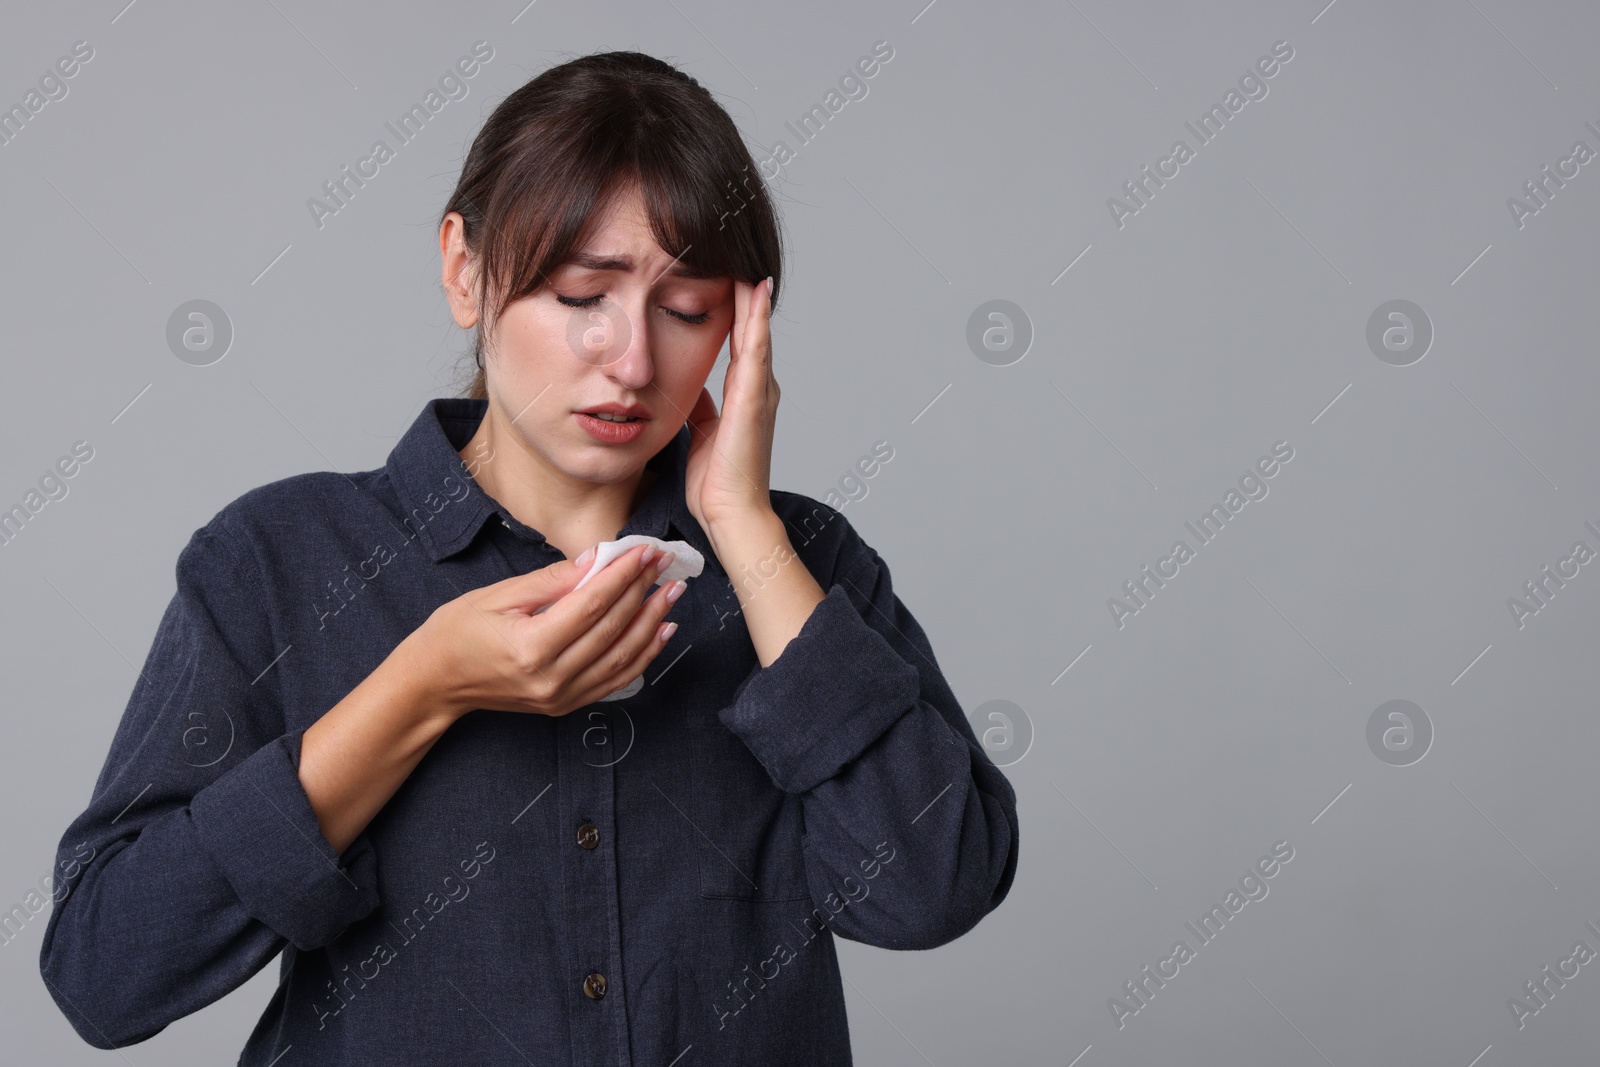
<point>459,271</point>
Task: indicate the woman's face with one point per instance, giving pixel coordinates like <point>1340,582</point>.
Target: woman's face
<point>619,324</point>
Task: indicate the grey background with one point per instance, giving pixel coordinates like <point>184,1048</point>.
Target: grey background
<point>1225,316</point>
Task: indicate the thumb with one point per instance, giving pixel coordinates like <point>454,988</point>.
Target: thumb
<point>535,591</point>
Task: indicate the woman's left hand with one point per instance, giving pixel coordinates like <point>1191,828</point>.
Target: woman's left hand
<point>729,470</point>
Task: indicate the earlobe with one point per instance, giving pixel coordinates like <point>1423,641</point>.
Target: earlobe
<point>461,289</point>
<point>461,307</point>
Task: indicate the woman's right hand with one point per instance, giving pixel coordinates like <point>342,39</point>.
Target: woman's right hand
<point>487,649</point>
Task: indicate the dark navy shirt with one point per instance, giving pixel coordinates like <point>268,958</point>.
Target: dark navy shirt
<point>656,880</point>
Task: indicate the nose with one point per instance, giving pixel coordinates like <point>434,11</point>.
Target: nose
<point>627,358</point>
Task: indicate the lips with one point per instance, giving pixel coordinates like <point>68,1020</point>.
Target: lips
<point>607,432</point>
<point>625,411</point>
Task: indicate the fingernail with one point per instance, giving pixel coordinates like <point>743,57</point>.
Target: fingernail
<point>769,287</point>
<point>582,562</point>
<point>667,631</point>
<point>665,561</point>
<point>676,590</point>
<point>649,550</point>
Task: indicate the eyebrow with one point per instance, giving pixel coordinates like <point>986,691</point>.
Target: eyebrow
<point>678,269</point>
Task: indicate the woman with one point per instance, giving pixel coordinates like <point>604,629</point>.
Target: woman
<point>360,742</point>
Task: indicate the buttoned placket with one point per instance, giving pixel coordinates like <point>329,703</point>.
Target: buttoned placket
<point>589,743</point>
<point>591,740</point>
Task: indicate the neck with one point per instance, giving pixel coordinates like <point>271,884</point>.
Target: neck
<point>571,513</point>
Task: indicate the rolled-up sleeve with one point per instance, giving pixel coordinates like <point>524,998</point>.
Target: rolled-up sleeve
<point>199,855</point>
<point>910,826</point>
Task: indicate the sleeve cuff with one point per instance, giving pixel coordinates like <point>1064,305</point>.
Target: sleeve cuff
<point>259,829</point>
<point>835,688</point>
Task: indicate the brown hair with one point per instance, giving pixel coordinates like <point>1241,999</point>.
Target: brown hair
<point>556,153</point>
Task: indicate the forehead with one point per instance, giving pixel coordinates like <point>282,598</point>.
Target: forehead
<point>623,241</point>
<point>621,227</point>
<point>654,262</point>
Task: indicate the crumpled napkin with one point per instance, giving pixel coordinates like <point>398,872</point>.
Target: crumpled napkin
<point>686,564</point>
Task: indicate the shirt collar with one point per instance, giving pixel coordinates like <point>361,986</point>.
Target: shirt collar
<point>444,507</point>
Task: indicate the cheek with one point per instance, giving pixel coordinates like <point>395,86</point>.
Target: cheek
<point>532,344</point>
<point>685,362</point>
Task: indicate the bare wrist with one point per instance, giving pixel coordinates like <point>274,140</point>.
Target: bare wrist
<point>417,684</point>
<point>754,527</point>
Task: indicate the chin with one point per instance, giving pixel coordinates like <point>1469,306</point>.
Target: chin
<point>603,463</point>
<point>580,456</point>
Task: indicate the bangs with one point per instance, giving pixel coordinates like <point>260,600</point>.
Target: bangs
<point>703,212</point>
<point>690,217</point>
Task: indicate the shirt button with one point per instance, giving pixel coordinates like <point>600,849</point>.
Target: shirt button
<point>589,837</point>
<point>594,986</point>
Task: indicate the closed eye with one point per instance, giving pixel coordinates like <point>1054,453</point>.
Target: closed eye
<point>591,301</point>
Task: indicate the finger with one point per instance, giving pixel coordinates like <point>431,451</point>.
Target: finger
<point>598,630</point>
<point>572,615</point>
<point>627,658</point>
<point>742,292</point>
<point>596,643</point>
<point>528,593</point>
<point>757,382</point>
<point>761,330</point>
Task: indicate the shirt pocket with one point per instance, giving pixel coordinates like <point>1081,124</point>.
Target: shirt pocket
<point>749,831</point>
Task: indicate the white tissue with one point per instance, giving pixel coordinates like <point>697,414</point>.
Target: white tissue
<point>687,563</point>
